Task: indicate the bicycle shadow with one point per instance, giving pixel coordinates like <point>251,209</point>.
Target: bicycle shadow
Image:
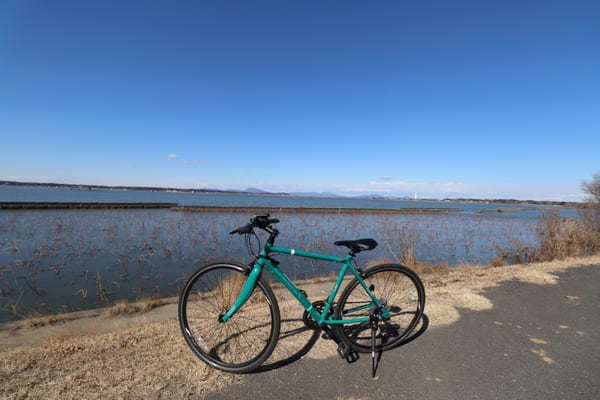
<point>299,339</point>
<point>418,332</point>
<point>286,334</point>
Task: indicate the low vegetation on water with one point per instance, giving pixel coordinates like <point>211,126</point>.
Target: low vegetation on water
<point>62,261</point>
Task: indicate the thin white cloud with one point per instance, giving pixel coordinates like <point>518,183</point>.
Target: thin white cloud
<point>192,161</point>
<point>186,161</point>
<point>409,187</point>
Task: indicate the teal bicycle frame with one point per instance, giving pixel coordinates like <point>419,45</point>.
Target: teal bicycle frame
<point>320,318</point>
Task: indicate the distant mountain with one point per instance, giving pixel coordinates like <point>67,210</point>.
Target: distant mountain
<point>373,196</point>
<point>254,190</point>
<point>315,194</point>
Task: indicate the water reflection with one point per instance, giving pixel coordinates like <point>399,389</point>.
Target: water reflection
<point>60,261</point>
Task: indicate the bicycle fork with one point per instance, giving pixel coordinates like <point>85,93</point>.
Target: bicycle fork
<point>245,293</point>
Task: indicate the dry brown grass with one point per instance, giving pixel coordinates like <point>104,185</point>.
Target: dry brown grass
<point>330,277</point>
<point>145,305</point>
<point>407,257</point>
<point>428,269</point>
<point>45,320</point>
<point>560,238</point>
<point>419,267</point>
<point>497,262</point>
<point>139,362</point>
<point>229,289</point>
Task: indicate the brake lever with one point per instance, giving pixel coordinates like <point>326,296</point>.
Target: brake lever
<point>244,229</point>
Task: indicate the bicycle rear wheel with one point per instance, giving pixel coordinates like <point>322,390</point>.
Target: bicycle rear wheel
<point>404,294</point>
<point>248,338</point>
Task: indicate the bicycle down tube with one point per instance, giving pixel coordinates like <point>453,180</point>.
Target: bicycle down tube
<point>321,318</point>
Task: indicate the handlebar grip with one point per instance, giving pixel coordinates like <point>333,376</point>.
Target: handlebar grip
<point>260,221</point>
<point>243,229</point>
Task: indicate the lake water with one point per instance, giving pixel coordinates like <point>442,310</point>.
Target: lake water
<point>66,260</point>
<point>45,194</point>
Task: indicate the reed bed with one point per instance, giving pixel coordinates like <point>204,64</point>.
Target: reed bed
<point>68,260</point>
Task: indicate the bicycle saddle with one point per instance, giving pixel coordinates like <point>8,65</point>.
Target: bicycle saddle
<point>359,245</point>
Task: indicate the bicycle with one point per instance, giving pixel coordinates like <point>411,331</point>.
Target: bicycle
<point>229,315</point>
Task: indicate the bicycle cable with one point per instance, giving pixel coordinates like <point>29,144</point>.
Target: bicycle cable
<point>252,253</point>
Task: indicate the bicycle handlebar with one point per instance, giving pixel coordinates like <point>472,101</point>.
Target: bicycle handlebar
<point>260,221</point>
<point>242,229</point>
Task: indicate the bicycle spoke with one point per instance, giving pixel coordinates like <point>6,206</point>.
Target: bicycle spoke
<point>244,337</point>
<point>392,284</point>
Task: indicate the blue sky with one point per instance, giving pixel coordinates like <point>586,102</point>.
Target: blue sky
<point>447,99</point>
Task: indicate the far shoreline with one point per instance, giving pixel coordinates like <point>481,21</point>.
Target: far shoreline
<point>259,192</point>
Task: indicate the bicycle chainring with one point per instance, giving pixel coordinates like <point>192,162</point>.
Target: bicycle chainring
<point>308,319</point>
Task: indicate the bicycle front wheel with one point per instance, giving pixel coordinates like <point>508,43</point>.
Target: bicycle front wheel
<point>397,287</point>
<point>248,338</point>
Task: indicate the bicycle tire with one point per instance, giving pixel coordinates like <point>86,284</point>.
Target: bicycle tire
<point>248,338</point>
<point>405,295</point>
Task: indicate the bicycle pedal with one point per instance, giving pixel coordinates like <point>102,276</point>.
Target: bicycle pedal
<point>347,353</point>
<point>352,357</point>
<point>342,350</point>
